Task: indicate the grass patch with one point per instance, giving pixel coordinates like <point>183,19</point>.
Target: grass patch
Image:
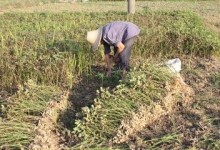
<point>51,48</point>
<point>15,135</point>
<point>23,112</point>
<point>31,101</point>
<point>140,99</point>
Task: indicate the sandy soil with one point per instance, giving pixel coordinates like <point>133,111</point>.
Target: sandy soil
<point>47,135</point>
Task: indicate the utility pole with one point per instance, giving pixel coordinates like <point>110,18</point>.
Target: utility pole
<point>131,6</point>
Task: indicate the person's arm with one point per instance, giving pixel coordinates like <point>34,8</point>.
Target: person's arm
<point>120,49</point>
<point>107,57</point>
<point>108,63</point>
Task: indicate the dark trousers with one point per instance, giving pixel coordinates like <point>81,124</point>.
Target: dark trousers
<point>124,56</point>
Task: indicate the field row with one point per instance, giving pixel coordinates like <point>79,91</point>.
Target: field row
<point>44,54</point>
<point>51,48</point>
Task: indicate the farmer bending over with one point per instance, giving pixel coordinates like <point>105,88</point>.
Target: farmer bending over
<point>120,35</point>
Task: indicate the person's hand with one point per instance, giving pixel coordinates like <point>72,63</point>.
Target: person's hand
<point>109,73</point>
<point>120,46</point>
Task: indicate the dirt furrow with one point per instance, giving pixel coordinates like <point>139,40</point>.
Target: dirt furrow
<point>47,135</point>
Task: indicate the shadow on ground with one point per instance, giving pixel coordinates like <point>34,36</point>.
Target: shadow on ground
<point>83,94</point>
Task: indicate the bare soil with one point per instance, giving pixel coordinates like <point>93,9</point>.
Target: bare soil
<point>47,134</point>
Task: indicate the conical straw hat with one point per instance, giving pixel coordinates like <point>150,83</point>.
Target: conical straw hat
<point>94,37</point>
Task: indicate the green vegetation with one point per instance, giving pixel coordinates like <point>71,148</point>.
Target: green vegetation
<point>51,48</point>
<point>152,109</point>
<point>22,113</point>
<point>15,135</point>
<point>142,88</point>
